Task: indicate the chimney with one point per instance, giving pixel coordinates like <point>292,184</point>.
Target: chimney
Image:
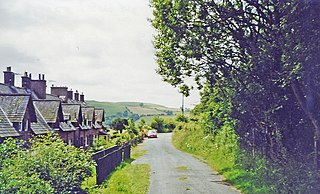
<point>26,80</point>
<point>82,97</point>
<point>76,95</point>
<point>8,77</point>
<point>70,94</point>
<point>61,92</point>
<point>39,86</point>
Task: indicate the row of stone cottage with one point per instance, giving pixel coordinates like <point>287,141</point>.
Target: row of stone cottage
<point>29,111</point>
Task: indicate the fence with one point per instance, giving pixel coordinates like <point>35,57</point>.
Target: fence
<point>107,160</point>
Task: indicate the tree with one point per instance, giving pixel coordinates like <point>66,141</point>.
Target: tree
<point>157,123</point>
<point>119,124</point>
<point>262,56</point>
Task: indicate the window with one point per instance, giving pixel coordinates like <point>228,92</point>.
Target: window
<point>27,126</point>
<point>20,126</point>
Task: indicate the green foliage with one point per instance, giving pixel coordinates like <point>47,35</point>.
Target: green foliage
<point>258,65</point>
<point>102,143</point>
<point>127,178</point>
<point>170,125</point>
<point>48,166</point>
<point>249,174</point>
<point>182,118</point>
<point>158,123</point>
<point>131,128</point>
<point>119,124</point>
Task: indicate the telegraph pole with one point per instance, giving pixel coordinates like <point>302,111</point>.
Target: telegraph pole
<point>182,105</point>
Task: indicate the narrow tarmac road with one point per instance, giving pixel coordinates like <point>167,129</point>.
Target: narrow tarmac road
<point>176,172</point>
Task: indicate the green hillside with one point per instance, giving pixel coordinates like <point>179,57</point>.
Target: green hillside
<point>134,110</point>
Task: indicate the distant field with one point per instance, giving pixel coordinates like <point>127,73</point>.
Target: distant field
<point>110,108</point>
<point>145,111</point>
<point>149,118</point>
<point>140,108</point>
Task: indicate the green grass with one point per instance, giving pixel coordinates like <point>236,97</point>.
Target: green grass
<point>112,108</point>
<point>127,179</point>
<point>149,118</point>
<point>182,168</point>
<point>218,156</point>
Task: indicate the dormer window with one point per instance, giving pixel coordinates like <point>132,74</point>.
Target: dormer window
<point>27,126</point>
<point>20,126</point>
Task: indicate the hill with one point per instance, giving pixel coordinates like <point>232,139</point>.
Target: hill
<point>134,110</point>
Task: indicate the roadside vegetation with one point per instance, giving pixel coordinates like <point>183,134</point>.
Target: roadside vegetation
<point>47,166</point>
<point>211,135</point>
<point>127,178</point>
<point>256,64</point>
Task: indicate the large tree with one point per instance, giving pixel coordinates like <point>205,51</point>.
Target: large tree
<point>263,54</point>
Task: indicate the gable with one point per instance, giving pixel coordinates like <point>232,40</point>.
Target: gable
<point>17,106</point>
<point>50,109</point>
<point>6,128</point>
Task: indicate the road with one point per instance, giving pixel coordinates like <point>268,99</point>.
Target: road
<point>176,172</point>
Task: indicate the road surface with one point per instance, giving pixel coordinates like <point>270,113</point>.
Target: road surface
<point>176,172</point>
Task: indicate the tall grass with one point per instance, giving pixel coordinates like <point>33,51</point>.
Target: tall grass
<point>127,179</point>
<point>250,174</point>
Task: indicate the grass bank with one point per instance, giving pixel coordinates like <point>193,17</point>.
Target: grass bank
<point>249,174</point>
<point>128,178</point>
<point>220,152</point>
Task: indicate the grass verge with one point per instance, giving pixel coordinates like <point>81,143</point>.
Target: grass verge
<point>128,178</point>
<point>220,157</point>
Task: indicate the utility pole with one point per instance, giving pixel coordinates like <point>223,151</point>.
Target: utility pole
<point>182,105</point>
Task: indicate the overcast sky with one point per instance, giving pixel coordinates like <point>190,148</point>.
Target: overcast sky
<point>102,48</point>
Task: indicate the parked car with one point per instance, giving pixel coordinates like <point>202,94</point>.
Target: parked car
<point>152,134</point>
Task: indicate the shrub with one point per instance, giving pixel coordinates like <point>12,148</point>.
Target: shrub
<point>48,166</point>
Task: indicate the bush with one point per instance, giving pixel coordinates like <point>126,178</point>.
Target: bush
<point>49,166</point>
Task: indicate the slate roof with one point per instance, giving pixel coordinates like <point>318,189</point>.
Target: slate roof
<point>99,115</point>
<point>76,102</point>
<point>41,126</point>
<point>52,97</point>
<point>49,109</point>
<point>67,126</point>
<point>15,106</point>
<point>88,113</point>
<point>73,110</point>
<point>5,89</point>
<point>6,128</point>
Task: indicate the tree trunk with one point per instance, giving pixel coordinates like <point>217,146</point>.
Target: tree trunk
<point>316,128</point>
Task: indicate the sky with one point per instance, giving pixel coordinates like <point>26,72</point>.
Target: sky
<point>102,48</point>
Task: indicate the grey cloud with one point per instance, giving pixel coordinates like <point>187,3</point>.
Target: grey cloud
<point>103,48</point>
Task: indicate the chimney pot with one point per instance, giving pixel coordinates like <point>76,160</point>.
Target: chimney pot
<point>42,76</point>
<point>30,75</point>
<point>39,76</point>
<point>9,77</point>
<point>82,97</point>
<point>76,95</point>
